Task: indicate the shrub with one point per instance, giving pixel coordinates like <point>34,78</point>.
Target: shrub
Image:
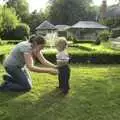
<point>104,35</point>
<point>85,48</point>
<point>2,57</point>
<point>82,41</point>
<point>12,41</point>
<point>92,57</point>
<point>21,32</point>
<point>115,33</point>
<point>9,22</point>
<point>97,42</point>
<point>75,40</point>
<point>0,41</point>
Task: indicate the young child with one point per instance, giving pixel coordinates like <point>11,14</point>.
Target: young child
<point>63,64</point>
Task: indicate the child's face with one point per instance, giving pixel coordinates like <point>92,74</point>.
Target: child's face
<point>59,47</point>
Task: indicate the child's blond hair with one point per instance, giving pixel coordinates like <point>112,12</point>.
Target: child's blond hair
<point>61,43</point>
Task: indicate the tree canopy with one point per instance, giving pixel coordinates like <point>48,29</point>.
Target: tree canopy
<point>8,19</point>
<point>70,11</point>
<point>21,7</point>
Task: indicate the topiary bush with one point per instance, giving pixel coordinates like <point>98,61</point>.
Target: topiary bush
<point>104,35</point>
<point>21,31</point>
<point>97,42</point>
<point>115,33</point>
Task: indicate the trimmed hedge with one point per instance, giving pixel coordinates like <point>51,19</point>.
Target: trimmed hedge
<point>83,41</point>
<point>96,58</point>
<point>81,55</point>
<point>2,57</point>
<point>11,41</point>
<point>21,31</point>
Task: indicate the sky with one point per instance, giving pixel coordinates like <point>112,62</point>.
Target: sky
<point>37,4</point>
<point>41,4</point>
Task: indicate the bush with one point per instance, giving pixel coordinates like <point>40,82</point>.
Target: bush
<point>11,41</point>
<point>2,57</point>
<point>21,32</point>
<point>82,41</point>
<point>92,57</point>
<point>116,33</point>
<point>9,22</point>
<point>97,42</point>
<point>0,41</point>
<point>85,48</point>
<point>104,35</point>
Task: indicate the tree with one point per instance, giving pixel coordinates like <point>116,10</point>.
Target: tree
<point>8,20</point>
<point>35,19</point>
<point>21,8</point>
<point>1,19</point>
<point>70,11</point>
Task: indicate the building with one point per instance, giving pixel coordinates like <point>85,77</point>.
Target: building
<point>62,30</point>
<point>45,27</point>
<point>86,30</point>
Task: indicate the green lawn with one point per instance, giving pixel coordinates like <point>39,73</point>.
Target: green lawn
<point>94,95</point>
<point>6,48</point>
<point>78,48</point>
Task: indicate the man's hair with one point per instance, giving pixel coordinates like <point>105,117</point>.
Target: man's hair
<point>37,39</point>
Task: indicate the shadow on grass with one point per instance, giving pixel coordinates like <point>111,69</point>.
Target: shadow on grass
<point>7,96</point>
<point>48,106</point>
<point>84,101</point>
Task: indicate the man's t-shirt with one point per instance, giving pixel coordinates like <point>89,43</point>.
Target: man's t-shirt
<point>16,57</point>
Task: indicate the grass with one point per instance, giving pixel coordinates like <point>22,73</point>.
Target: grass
<point>78,48</point>
<point>94,95</point>
<point>4,49</point>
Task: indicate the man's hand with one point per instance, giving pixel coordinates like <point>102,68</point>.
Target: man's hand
<point>53,71</point>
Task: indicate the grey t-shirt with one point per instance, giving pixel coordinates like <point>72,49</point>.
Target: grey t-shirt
<point>16,57</point>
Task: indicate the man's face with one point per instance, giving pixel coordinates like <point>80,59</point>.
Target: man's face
<point>40,47</point>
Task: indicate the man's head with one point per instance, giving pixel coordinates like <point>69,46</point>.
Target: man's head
<point>38,42</point>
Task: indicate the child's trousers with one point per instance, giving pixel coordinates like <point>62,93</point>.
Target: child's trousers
<point>64,76</point>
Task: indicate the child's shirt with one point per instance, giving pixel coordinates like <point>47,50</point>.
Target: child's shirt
<point>62,58</point>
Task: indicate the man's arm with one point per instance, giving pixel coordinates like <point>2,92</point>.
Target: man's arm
<point>31,67</point>
<point>42,59</point>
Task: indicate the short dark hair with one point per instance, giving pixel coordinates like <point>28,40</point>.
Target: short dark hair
<point>37,39</point>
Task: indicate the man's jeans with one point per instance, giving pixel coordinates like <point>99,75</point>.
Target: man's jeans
<point>18,79</point>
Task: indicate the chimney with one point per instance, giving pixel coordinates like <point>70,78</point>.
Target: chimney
<point>103,9</point>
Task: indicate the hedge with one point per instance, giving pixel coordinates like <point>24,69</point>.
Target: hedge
<point>96,58</point>
<point>2,57</point>
<point>11,41</point>
<point>92,57</point>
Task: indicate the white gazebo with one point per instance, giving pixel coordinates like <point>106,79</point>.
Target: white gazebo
<point>45,27</point>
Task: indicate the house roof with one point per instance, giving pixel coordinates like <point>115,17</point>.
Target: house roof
<point>89,24</point>
<point>62,27</point>
<point>113,11</point>
<point>46,26</point>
